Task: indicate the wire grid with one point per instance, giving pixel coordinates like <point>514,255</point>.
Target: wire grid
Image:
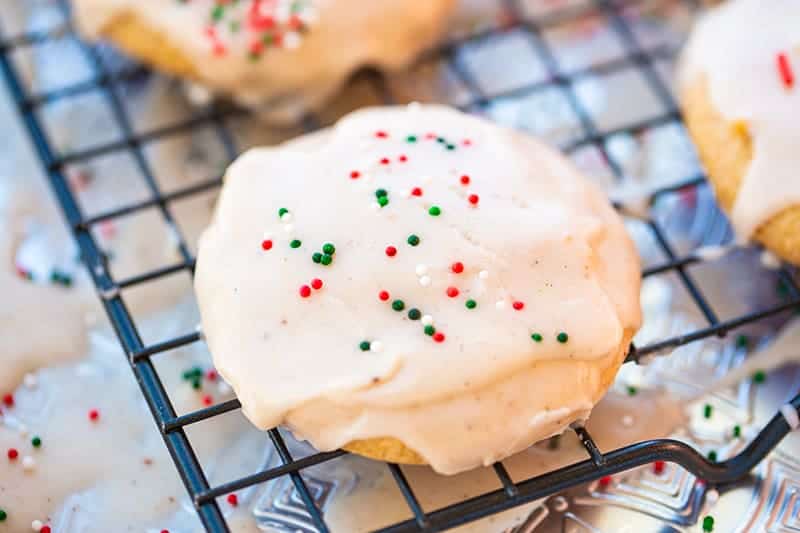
<point>512,493</point>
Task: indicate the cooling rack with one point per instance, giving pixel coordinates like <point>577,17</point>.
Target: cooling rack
<point>637,58</point>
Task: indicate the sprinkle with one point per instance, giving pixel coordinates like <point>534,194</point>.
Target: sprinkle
<point>627,421</point>
<point>562,337</point>
<point>211,375</point>
<point>3,515</point>
<point>429,330</point>
<point>414,314</point>
<point>383,201</point>
<point>451,146</point>
<point>413,240</point>
<point>28,463</point>
<point>500,305</point>
<point>94,415</point>
<point>707,410</point>
<point>467,142</point>
<point>354,175</point>
<point>658,467</point>
<point>759,377</point>
<point>282,211</point>
<point>375,346</point>
<point>708,524</point>
<point>232,500</point>
<point>457,267</point>
<point>385,161</point>
<point>45,529</point>
<point>364,346</point>
<point>471,304</point>
<point>305,291</point>
<point>438,337</point>
<point>383,296</point>
<point>316,284</point>
<point>381,134</point>
<point>207,400</point>
<point>427,320</point>
<point>8,400</point>
<point>452,292</point>
<point>36,441</point>
<point>474,199</point>
<point>37,525</point>
<point>465,180</point>
<point>329,248</point>
<point>266,245</point>
<point>381,193</point>
<point>435,211</point>
<point>421,270</point>
<point>411,139</point>
<point>742,341</point>
<point>483,274</point>
<point>605,481</point>
<point>416,191</point>
<point>296,243</point>
<point>391,251</point>
<point>326,259</point>
<point>712,456</point>
<point>425,281</point>
<point>536,337</point>
<point>402,158</point>
<point>737,431</point>
<point>632,390</point>
<point>518,306</point>
<point>398,305</point>
<point>785,70</point>
<point>12,454</point>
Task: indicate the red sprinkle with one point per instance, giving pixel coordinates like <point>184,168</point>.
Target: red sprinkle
<point>383,295</point>
<point>438,337</point>
<point>266,245</point>
<point>354,175</point>
<point>211,375</point>
<point>465,180</point>
<point>165,531</point>
<point>385,161</point>
<point>391,251</point>
<point>233,500</point>
<point>457,267</point>
<point>316,284</point>
<point>8,400</point>
<point>305,291</point>
<point>12,454</point>
<point>45,529</point>
<point>402,159</point>
<point>94,415</point>
<point>605,481</point>
<point>785,69</point>
<point>467,142</point>
<point>518,305</point>
<point>430,135</point>
<point>208,400</point>
<point>452,292</point>
<point>416,191</point>
<point>474,199</point>
<point>658,467</point>
<point>381,134</point>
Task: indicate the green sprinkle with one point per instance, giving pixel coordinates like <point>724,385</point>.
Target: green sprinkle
<point>537,337</point>
<point>414,314</point>
<point>364,346</point>
<point>217,13</point>
<point>712,456</point>
<point>440,140</point>
<point>471,304</point>
<point>383,201</point>
<point>411,139</point>
<point>562,337</point>
<point>708,524</point>
<point>36,441</point>
<point>435,211</point>
<point>282,211</point>
<point>267,39</point>
<point>329,248</point>
<point>3,515</point>
<point>632,390</point>
<point>759,377</point>
<point>193,373</point>
<point>316,257</point>
<point>235,26</point>
<point>295,243</point>
<point>708,410</point>
<point>195,383</point>
<point>451,147</point>
<point>398,305</point>
<point>413,240</point>
<point>326,259</point>
<point>737,431</point>
<point>429,330</point>
<point>380,193</point>
<point>742,341</point>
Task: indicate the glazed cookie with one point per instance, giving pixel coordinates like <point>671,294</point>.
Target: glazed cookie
<point>284,55</point>
<point>742,105</point>
<point>416,285</point>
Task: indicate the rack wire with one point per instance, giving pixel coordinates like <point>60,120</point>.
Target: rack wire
<point>171,425</point>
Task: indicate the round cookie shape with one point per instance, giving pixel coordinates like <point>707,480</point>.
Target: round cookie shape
<point>416,285</point>
<point>286,56</point>
<point>741,102</point>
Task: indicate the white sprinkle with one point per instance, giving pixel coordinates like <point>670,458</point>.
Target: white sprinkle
<point>30,380</point>
<point>627,421</point>
<point>791,416</point>
<point>28,463</point>
<point>414,107</point>
<point>288,228</point>
<point>712,496</point>
<point>422,270</point>
<point>483,274</point>
<point>427,320</point>
<point>286,217</point>
<point>36,525</point>
<point>770,260</point>
<point>292,40</point>
<point>425,281</point>
<point>197,94</point>
<point>500,305</point>
<point>375,346</point>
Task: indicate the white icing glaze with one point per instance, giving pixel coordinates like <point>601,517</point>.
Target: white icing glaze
<point>543,235</point>
<point>340,36</point>
<point>735,46</point>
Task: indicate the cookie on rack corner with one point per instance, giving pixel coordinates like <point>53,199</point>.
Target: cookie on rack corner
<point>416,285</point>
<point>281,56</point>
<point>741,102</point>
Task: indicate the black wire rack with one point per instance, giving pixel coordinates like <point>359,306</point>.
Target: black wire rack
<point>172,426</point>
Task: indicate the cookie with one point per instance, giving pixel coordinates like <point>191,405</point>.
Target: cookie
<point>741,103</point>
<point>285,56</point>
<point>416,285</point>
